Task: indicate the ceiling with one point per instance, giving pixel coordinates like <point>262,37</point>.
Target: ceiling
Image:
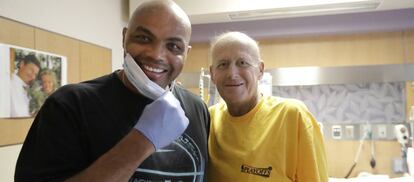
<point>261,19</point>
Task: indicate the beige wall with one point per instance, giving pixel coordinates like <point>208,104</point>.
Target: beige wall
<point>409,54</point>
<point>325,51</point>
<point>94,21</point>
<point>197,58</point>
<point>409,46</point>
<point>341,50</point>
<point>328,51</point>
<point>341,154</point>
<point>18,34</point>
<point>8,158</point>
<point>84,61</point>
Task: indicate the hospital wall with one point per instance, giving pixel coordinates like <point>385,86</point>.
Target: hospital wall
<point>84,61</point>
<point>332,50</point>
<point>375,48</point>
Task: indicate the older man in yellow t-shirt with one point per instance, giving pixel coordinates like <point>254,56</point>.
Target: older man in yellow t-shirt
<point>255,137</point>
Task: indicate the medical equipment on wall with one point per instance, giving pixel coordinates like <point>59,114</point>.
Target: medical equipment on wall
<point>212,96</point>
<point>366,135</point>
<point>201,83</point>
<point>403,137</point>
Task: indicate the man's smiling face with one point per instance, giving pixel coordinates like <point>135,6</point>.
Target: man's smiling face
<point>158,41</point>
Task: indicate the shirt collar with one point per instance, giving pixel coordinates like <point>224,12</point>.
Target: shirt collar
<point>19,80</point>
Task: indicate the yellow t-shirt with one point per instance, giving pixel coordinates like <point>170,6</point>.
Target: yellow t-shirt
<point>278,140</point>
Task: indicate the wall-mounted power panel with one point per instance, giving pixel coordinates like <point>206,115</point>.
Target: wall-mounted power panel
<point>348,131</point>
<point>336,132</point>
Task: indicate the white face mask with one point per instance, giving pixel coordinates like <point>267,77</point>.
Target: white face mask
<point>140,80</point>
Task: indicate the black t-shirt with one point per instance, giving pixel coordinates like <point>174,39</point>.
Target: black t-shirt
<point>80,122</point>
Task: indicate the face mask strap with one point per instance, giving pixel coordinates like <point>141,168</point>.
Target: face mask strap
<point>139,80</point>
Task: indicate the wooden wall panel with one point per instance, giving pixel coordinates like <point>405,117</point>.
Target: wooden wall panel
<point>97,63</point>
<point>15,33</point>
<point>94,61</point>
<point>339,50</point>
<point>409,46</point>
<point>324,51</point>
<point>58,44</point>
<point>197,58</point>
<point>341,154</point>
<point>409,88</point>
<point>14,131</point>
<point>409,58</point>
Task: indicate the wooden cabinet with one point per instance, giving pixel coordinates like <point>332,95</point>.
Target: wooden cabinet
<point>16,34</point>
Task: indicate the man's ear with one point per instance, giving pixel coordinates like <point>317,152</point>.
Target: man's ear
<point>212,74</point>
<point>124,30</point>
<point>261,69</point>
<point>188,49</point>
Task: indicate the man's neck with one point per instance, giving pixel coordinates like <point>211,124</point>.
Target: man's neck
<point>242,108</point>
<point>125,81</point>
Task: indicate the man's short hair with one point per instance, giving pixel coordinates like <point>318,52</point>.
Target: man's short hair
<point>30,58</point>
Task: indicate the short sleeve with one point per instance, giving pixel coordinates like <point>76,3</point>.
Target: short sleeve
<point>53,147</point>
<point>312,164</point>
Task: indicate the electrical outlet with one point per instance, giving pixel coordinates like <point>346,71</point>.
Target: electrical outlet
<point>336,132</point>
<point>349,132</point>
<point>382,131</point>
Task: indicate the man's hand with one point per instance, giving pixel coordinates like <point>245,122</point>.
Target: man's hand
<point>162,121</point>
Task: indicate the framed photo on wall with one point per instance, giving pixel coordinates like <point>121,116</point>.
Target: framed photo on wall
<point>28,77</point>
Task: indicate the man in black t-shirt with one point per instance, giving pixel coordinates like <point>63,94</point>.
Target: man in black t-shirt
<point>119,127</point>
